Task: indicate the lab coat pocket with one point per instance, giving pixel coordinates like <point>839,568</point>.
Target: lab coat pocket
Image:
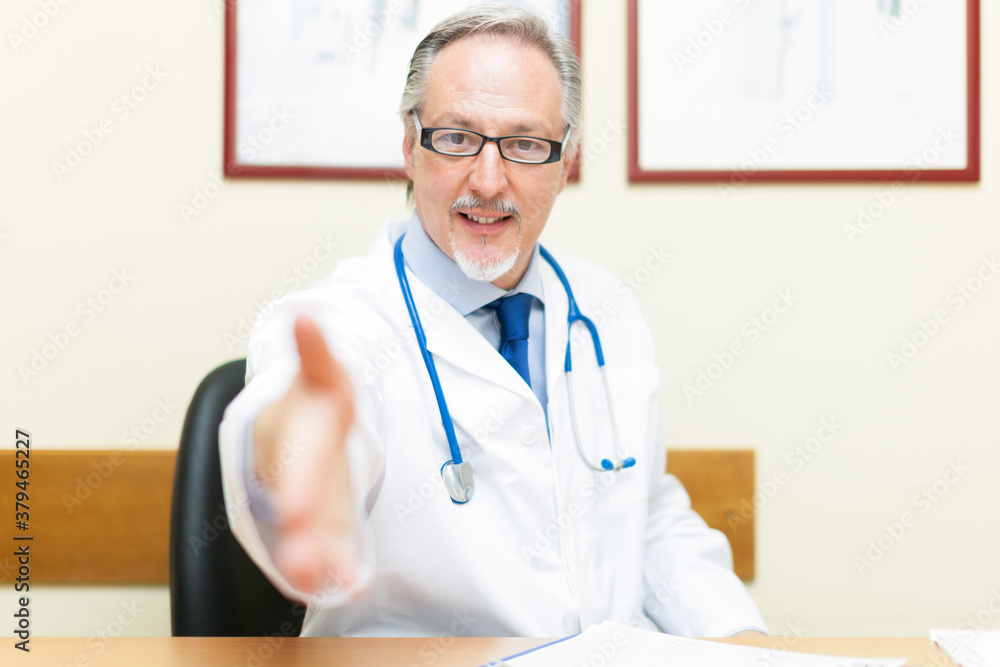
<point>634,399</point>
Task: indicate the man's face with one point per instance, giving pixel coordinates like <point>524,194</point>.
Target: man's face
<point>496,87</point>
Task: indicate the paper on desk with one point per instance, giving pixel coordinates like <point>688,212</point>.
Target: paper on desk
<point>614,645</point>
<point>969,648</point>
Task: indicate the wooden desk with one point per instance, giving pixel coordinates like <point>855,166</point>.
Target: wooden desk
<point>366,652</point>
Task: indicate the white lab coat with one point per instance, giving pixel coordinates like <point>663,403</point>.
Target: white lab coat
<point>546,546</point>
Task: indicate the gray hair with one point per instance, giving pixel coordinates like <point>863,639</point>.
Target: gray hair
<point>508,21</point>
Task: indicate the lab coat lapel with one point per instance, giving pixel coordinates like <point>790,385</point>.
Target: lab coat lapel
<point>452,340</point>
<point>556,330</point>
<point>455,344</point>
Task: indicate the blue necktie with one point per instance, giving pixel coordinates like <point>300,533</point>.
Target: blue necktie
<point>512,312</point>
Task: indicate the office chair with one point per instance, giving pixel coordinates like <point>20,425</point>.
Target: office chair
<point>215,589</point>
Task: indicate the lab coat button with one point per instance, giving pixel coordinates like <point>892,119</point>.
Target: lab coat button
<point>529,435</point>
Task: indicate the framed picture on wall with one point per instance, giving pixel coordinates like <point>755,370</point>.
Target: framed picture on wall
<point>730,91</point>
<point>312,86</point>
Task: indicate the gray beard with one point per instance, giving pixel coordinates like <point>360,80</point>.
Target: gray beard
<point>484,271</point>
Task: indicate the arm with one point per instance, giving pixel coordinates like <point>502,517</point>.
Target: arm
<point>688,574</point>
<point>688,580</point>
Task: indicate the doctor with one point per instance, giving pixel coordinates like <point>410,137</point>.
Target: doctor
<point>485,510</point>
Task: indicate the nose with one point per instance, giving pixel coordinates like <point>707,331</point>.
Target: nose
<point>489,172</point>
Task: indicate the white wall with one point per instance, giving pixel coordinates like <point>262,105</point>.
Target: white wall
<point>62,240</point>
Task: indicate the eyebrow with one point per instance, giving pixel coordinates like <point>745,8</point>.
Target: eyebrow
<point>458,120</point>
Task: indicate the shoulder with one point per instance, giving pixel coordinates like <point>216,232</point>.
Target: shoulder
<point>352,307</point>
<point>588,276</point>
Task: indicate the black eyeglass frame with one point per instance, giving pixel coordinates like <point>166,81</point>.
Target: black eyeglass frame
<point>425,140</point>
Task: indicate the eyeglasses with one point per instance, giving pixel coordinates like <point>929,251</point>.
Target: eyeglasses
<point>466,143</point>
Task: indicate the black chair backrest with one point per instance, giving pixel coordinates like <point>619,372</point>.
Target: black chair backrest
<point>215,589</point>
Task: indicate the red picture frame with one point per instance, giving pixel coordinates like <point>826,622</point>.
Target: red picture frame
<point>970,173</point>
<point>233,168</point>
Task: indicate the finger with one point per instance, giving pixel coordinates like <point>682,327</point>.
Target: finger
<point>318,365</point>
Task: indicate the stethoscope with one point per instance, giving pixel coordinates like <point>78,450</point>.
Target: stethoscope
<point>456,473</point>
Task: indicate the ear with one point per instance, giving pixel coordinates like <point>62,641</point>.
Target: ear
<point>409,143</point>
<point>567,167</point>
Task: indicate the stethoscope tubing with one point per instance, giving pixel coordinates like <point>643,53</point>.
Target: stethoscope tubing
<point>574,315</point>
<point>455,477</point>
<point>449,428</point>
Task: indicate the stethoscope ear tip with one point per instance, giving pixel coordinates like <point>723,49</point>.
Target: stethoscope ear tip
<point>627,462</point>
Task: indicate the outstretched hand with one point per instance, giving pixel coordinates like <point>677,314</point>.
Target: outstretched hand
<point>299,444</point>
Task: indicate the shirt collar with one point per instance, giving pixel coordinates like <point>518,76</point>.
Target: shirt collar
<point>441,274</point>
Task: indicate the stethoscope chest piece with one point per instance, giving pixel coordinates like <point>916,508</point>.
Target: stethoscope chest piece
<point>458,481</point>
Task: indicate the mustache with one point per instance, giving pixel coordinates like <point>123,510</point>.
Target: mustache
<point>501,206</point>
